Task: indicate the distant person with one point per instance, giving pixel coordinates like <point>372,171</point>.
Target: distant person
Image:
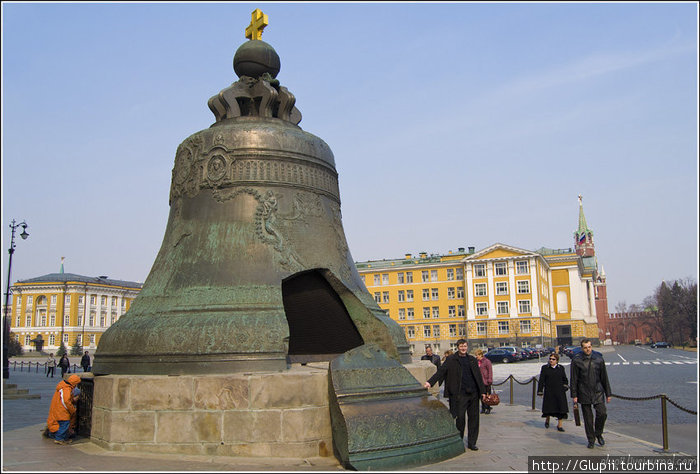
<point>590,387</point>
<point>486,369</point>
<point>464,387</point>
<point>434,358</point>
<point>85,362</point>
<point>64,364</point>
<point>553,385</point>
<point>50,365</point>
<point>447,353</point>
<point>62,410</point>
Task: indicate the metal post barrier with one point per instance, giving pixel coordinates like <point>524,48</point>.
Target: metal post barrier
<point>534,391</point>
<point>664,423</point>
<point>511,389</point>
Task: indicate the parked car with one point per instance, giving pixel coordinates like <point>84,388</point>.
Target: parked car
<point>661,344</point>
<point>577,351</point>
<point>531,353</point>
<point>517,353</point>
<point>500,355</point>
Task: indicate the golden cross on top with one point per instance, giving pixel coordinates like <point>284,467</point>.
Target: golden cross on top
<point>258,22</point>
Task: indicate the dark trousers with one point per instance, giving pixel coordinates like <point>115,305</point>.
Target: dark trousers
<point>594,429</point>
<point>465,409</point>
<point>50,371</point>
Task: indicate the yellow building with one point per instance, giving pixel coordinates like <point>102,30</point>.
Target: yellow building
<point>499,296</point>
<point>54,306</point>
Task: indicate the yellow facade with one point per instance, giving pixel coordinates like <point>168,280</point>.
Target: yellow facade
<point>499,296</point>
<point>67,307</point>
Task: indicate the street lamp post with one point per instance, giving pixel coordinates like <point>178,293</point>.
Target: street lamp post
<point>6,321</point>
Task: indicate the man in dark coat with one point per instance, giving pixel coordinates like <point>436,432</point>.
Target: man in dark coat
<point>591,388</point>
<point>85,362</point>
<point>464,387</point>
<point>434,358</point>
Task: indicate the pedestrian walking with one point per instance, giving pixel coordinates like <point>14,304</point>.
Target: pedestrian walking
<point>553,385</point>
<point>64,364</point>
<point>464,387</point>
<point>486,369</point>
<point>590,387</point>
<point>50,365</point>
<point>85,362</point>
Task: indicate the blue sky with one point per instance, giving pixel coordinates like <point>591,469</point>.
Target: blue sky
<point>452,124</point>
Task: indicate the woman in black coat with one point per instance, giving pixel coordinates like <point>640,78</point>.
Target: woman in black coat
<point>64,364</point>
<point>553,384</point>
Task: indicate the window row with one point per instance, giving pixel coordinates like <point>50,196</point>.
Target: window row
<point>41,320</point>
<point>52,339</point>
<point>522,267</point>
<point>503,307</point>
<point>42,301</point>
<point>453,330</point>
<point>425,276</point>
<point>428,294</point>
<point>525,327</point>
<point>434,312</point>
<point>501,288</point>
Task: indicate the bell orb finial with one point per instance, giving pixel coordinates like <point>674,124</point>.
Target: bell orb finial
<point>258,22</point>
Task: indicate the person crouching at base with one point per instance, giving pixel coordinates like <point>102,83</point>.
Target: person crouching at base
<point>62,410</point>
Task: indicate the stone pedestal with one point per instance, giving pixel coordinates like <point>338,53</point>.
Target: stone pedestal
<point>266,414</point>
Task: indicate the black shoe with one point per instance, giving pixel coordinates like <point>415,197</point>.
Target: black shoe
<point>483,410</point>
<point>559,428</point>
<point>590,445</point>
<point>472,447</point>
<point>546,424</point>
<point>601,441</point>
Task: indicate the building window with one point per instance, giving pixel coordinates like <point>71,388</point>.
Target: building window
<point>377,297</point>
<point>27,340</point>
<point>424,275</point>
<point>450,293</point>
<point>28,321</point>
<point>65,338</point>
<point>409,313</point>
<point>401,296</point>
<point>52,339</point>
<point>482,309</point>
<point>480,289</point>
<point>79,338</point>
<point>385,279</point>
<point>521,267</point>
<point>426,331</point>
<point>525,327</point>
<point>562,302</point>
<point>524,306</point>
<point>53,299</point>
<point>377,280</point>
<point>385,296</point>
<point>436,312</point>
<point>410,332</point>
<point>436,331</point>
<point>409,277</point>
<point>93,299</point>
<point>402,313</point>
<point>480,270</point>
<point>102,320</point>
<point>503,327</point>
<point>66,320</point>
<point>91,320</point>
<point>502,288</point>
<point>523,286</point>
<point>67,300</point>
<point>18,321</point>
<point>460,274</point>
<point>112,318</point>
<point>409,295</point>
<point>52,320</point>
<point>433,275</point>
<point>451,311</point>
<point>481,328</point>
<point>103,300</point>
<point>399,277</point>
<point>92,338</point>
<point>500,268</point>
<point>502,307</point>
<point>426,294</point>
<point>450,274</point>
<point>114,301</point>
<point>123,304</point>
<point>462,329</point>
<point>426,312</point>
<point>434,294</point>
<point>452,328</point>
<point>460,311</point>
<point>30,298</point>
<point>460,292</point>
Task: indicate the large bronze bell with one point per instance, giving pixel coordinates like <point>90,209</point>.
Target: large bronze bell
<point>254,272</point>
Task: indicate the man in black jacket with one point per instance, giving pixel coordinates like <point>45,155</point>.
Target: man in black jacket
<point>434,358</point>
<point>463,386</point>
<point>591,388</point>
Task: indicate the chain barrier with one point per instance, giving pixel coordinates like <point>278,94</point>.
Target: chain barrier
<point>72,369</point>
<point>654,397</point>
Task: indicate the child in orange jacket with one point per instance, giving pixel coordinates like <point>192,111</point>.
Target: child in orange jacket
<point>62,410</point>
